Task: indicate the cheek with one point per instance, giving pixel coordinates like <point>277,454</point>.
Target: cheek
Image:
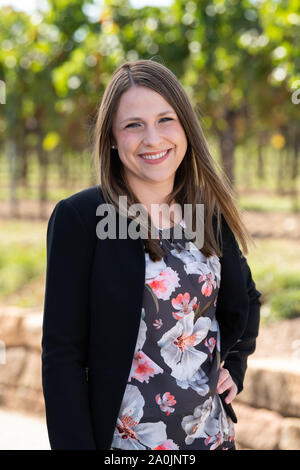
<point>127,152</point>
<point>183,137</point>
<point>179,135</point>
<point>181,142</point>
<point>128,145</point>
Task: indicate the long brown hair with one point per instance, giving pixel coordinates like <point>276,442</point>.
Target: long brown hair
<point>196,179</point>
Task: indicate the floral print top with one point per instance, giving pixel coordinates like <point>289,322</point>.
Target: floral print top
<point>170,401</point>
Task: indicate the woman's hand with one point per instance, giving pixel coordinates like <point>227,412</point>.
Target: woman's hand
<point>226,383</point>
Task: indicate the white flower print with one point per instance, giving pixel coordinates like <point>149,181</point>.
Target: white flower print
<point>203,423</point>
<point>194,424</point>
<point>153,268</point>
<point>141,335</point>
<point>225,425</point>
<point>196,263</point>
<point>129,434</point>
<point>225,433</point>
<point>197,382</point>
<point>178,346</point>
<point>191,262</point>
<point>214,325</point>
<point>214,265</point>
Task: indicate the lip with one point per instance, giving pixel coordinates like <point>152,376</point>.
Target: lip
<point>158,160</point>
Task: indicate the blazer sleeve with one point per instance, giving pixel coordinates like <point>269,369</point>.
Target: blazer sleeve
<point>236,359</point>
<point>65,330</point>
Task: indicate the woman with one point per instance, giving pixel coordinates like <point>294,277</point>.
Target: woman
<point>145,339</point>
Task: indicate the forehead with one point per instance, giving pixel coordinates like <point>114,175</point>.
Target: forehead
<point>140,101</point>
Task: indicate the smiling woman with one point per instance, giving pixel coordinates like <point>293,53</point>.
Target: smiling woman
<point>151,148</point>
<point>145,340</point>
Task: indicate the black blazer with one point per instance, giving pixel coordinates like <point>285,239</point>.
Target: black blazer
<point>89,332</point>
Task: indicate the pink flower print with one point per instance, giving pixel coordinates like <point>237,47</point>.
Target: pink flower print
<point>158,323</point>
<point>165,283</point>
<point>143,368</point>
<point>183,305</point>
<point>210,344</point>
<point>215,301</point>
<point>166,402</point>
<point>169,444</point>
<point>208,285</point>
<point>215,440</point>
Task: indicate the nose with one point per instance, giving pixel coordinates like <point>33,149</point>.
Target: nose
<point>152,137</point>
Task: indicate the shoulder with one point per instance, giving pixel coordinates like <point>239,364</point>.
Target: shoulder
<point>228,240</point>
<point>78,209</point>
<point>87,199</point>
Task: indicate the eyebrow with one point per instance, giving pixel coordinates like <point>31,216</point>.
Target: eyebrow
<point>140,119</point>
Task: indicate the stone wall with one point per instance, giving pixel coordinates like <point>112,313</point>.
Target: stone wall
<point>268,408</point>
<point>20,375</point>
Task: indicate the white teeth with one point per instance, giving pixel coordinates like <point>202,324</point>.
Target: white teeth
<point>154,157</point>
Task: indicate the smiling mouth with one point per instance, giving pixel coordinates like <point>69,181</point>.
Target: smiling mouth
<point>156,157</point>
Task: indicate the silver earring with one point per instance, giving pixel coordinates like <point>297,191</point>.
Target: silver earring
<point>113,147</point>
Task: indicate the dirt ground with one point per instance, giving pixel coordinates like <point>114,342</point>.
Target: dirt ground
<point>273,225</point>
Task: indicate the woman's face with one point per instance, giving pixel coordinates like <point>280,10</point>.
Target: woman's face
<point>145,123</point>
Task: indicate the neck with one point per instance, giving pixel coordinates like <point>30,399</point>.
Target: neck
<point>149,193</point>
<point>152,196</point>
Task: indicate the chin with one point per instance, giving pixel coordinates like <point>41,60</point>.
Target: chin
<point>160,178</point>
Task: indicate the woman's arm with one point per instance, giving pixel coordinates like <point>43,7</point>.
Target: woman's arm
<point>66,330</point>
<point>238,308</point>
<point>236,360</point>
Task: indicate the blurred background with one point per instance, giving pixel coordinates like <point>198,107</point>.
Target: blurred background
<point>239,61</point>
